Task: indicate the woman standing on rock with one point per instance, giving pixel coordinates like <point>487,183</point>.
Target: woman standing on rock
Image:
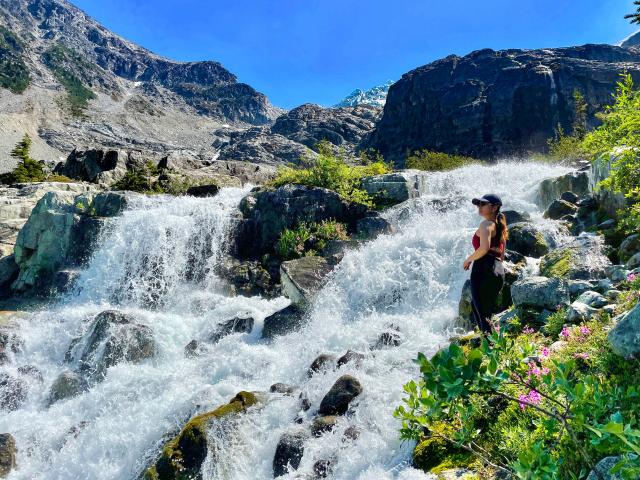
<point>487,274</point>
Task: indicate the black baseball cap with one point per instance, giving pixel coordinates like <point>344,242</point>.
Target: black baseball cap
<point>489,198</point>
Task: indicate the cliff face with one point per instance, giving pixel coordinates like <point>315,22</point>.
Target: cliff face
<point>497,103</point>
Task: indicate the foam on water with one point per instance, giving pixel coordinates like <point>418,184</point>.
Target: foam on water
<point>157,261</point>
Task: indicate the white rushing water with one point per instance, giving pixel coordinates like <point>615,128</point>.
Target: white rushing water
<point>157,262</point>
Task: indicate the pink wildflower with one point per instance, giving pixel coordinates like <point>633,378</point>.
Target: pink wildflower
<point>528,330</point>
<point>631,277</point>
<point>523,398</point>
<point>534,370</point>
<point>583,356</point>
<point>534,397</point>
<point>544,352</point>
<point>584,330</point>
<point>565,332</point>
<point>545,370</point>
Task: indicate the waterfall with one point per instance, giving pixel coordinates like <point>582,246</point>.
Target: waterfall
<point>157,262</point>
<point>552,84</point>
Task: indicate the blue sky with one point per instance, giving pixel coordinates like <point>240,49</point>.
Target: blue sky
<point>298,51</point>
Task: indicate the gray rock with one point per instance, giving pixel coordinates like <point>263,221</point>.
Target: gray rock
<point>593,299</point>
<point>560,208</point>
<point>282,388</point>
<point>302,278</point>
<point>322,363</point>
<point>203,190</point>
<point>629,247</point>
<point>31,372</point>
<point>512,216</point>
<point>111,204</point>
<point>193,349</point>
<point>356,357</point>
<point>337,400</point>
<point>608,201</point>
<point>289,452</point>
<point>323,425</point>
<point>234,325</point>
<point>390,338</point>
<point>113,337</point>
<point>283,322</point>
<point>581,259</point>
<point>625,336</point>
<point>540,292</point>
<point>13,392</point>
<point>603,467</point>
<point>371,226</point>
<point>579,312</point>
<point>607,224</point>
<point>578,287</point>
<point>617,273</point>
<point>248,278</point>
<point>602,285</point>
<point>8,273</point>
<point>612,294</point>
<point>634,262</point>
<point>569,197</point>
<point>527,239</point>
<point>552,188</point>
<point>96,165</point>
<point>8,453</point>
<point>393,188</point>
<point>68,384</point>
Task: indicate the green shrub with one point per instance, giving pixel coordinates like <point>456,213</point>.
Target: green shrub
<point>135,181</point>
<point>28,170</point>
<point>436,161</point>
<point>332,171</point>
<point>62,61</point>
<point>308,238</point>
<point>59,178</point>
<point>559,414</point>
<point>14,74</point>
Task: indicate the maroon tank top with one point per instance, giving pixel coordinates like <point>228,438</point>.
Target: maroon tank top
<point>496,248</point>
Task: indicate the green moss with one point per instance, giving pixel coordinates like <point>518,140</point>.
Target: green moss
<point>182,456</point>
<point>557,263</point>
<point>433,450</point>
<point>460,460</point>
<point>14,74</point>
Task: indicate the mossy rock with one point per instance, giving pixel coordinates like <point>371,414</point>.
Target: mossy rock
<point>182,457</point>
<point>557,263</point>
<point>433,450</point>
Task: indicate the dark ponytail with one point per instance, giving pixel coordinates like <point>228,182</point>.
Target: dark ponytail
<point>501,225</point>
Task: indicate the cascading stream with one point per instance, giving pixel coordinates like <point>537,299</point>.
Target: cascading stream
<point>157,262</point>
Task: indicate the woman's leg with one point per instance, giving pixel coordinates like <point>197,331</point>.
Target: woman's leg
<point>487,279</point>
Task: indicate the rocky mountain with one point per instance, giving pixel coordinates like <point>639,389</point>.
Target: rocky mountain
<point>375,96</point>
<point>631,41</point>
<point>490,103</point>
<point>68,81</point>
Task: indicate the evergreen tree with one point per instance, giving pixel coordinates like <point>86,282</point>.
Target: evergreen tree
<point>579,126</point>
<point>28,169</point>
<point>634,17</point>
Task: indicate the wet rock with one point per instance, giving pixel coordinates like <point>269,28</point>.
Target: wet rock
<point>248,278</point>
<point>289,453</point>
<point>182,457</point>
<point>607,224</point>
<point>13,392</point>
<point>540,292</point>
<point>351,433</point>
<point>617,273</point>
<point>371,226</point>
<point>560,208</point>
<point>603,469</point>
<point>582,259</point>
<point>10,340</point>
<point>111,204</point>
<point>387,339</point>
<point>64,280</point>
<point>323,425</point>
<point>283,322</point>
<point>349,357</point>
<point>336,401</point>
<point>303,277</point>
<point>322,363</point>
<point>8,453</point>
<point>629,247</point>
<point>634,262</point>
<point>552,188</point>
<point>8,273</point>
<point>579,312</point>
<point>396,187</point>
<point>113,337</point>
<point>305,403</point>
<point>527,239</point>
<point>569,197</point>
<point>323,468</point>
<point>512,216</point>
<point>234,325</point>
<point>67,385</point>
<point>282,388</point>
<point>203,190</point>
<point>625,336</point>
<point>193,349</point>
<point>592,299</point>
<point>32,372</point>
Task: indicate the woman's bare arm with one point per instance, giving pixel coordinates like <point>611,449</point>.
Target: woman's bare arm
<point>484,232</point>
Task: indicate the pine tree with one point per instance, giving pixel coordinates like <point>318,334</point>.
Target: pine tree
<point>634,17</point>
<point>28,169</point>
<point>579,126</point>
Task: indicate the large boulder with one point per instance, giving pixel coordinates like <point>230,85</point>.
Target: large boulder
<point>302,278</point>
<point>8,273</point>
<point>540,293</point>
<point>268,212</point>
<point>559,209</point>
<point>527,239</point>
<point>492,104</point>
<point>182,456</point>
<point>67,385</point>
<point>112,337</point>
<point>581,259</point>
<point>234,325</point>
<point>629,247</point>
<point>8,452</point>
<point>551,189</point>
<point>608,200</point>
<point>99,165</point>
<point>396,187</point>
<point>338,398</point>
<point>625,336</point>
<point>602,471</point>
